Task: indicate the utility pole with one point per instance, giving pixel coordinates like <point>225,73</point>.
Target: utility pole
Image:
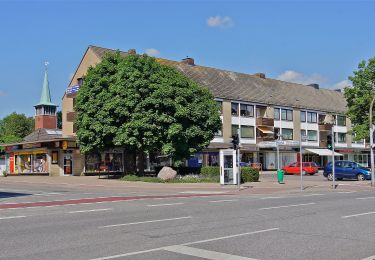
<point>333,152</point>
<point>372,143</point>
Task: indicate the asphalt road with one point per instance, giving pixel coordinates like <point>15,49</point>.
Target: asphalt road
<point>324,225</point>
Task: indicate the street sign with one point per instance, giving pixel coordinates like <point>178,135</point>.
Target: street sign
<point>291,143</point>
<point>267,144</point>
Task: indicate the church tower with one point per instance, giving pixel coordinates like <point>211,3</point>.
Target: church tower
<point>45,110</point>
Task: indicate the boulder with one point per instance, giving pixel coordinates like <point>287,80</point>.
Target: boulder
<point>167,173</point>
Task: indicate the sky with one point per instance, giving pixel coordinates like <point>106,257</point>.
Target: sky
<point>297,41</point>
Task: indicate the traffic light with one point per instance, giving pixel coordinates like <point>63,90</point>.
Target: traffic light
<point>235,141</point>
<point>329,142</point>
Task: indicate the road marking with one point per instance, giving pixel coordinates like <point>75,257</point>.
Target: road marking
<point>144,222</point>
<point>90,210</point>
<point>346,192</point>
<point>217,201</point>
<point>357,215</point>
<point>186,244</point>
<point>267,198</point>
<point>365,198</point>
<point>169,204</point>
<point>369,258</point>
<point>288,206</point>
<point>314,194</point>
<point>13,217</point>
<point>206,254</point>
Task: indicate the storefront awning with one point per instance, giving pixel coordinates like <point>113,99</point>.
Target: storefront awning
<point>265,130</point>
<point>322,152</point>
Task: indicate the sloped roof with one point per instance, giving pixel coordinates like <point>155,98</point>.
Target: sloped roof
<point>45,97</point>
<point>43,134</point>
<point>250,88</point>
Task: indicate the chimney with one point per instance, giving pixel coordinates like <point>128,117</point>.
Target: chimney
<point>189,61</point>
<point>314,85</point>
<point>260,75</point>
<point>132,51</point>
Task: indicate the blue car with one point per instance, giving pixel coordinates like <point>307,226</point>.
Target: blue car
<point>347,170</point>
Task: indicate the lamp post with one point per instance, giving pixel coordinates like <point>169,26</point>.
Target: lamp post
<point>303,138</point>
<point>372,143</point>
<point>331,120</point>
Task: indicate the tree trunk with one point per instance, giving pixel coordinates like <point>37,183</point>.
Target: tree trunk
<point>141,162</point>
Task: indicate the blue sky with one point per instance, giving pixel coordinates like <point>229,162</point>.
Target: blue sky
<point>300,41</point>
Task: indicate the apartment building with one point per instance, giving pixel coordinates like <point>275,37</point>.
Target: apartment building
<point>263,109</point>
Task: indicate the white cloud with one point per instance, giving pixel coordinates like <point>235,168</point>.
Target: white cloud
<point>218,21</point>
<point>152,52</point>
<point>2,93</point>
<point>342,84</point>
<point>296,77</point>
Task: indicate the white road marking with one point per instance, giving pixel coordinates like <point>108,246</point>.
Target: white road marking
<point>204,253</point>
<point>346,192</point>
<point>186,244</point>
<point>144,222</point>
<point>13,217</point>
<point>217,201</point>
<point>267,198</point>
<point>169,204</point>
<point>357,215</point>
<point>314,194</point>
<point>90,210</point>
<point>369,258</point>
<point>365,198</point>
<point>288,206</point>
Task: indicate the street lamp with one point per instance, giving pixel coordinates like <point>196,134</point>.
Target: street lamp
<point>372,143</point>
<point>302,139</point>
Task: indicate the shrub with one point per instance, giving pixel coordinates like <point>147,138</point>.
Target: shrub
<point>249,174</point>
<point>210,171</point>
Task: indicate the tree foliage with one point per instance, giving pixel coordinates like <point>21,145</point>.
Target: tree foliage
<point>359,97</point>
<point>15,127</point>
<point>136,102</point>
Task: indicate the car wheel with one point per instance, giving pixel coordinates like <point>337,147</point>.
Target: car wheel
<point>330,176</point>
<point>361,177</point>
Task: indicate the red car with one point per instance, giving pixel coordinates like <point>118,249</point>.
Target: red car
<point>307,168</point>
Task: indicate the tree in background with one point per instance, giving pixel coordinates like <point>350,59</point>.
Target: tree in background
<point>138,103</point>
<point>359,97</point>
<point>15,127</point>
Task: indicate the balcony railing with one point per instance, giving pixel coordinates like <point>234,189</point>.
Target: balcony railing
<point>265,121</point>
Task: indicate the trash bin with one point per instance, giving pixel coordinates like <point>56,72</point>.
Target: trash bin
<point>280,176</point>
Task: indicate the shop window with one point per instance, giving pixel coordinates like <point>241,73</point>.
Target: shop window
<point>247,110</point>
<point>287,133</point>
<point>40,163</point>
<point>287,114</point>
<point>31,163</point>
<point>247,131</point>
<point>104,162</point>
<point>276,113</point>
<point>23,163</point>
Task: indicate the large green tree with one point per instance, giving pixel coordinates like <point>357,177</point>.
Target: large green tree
<point>138,103</point>
<point>15,127</point>
<point>359,97</point>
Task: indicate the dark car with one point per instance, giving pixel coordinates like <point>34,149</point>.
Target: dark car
<point>347,170</point>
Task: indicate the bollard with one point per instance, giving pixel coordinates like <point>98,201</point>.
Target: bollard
<point>280,176</point>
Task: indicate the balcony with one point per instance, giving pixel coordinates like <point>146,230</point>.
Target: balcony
<point>325,127</point>
<point>265,121</point>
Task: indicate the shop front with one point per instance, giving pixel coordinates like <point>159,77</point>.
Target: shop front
<point>31,162</point>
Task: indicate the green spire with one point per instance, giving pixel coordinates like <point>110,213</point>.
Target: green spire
<point>45,98</point>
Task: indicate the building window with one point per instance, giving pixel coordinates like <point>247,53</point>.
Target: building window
<point>303,133</point>
<point>312,135</point>
<point>341,120</point>
<point>276,133</point>
<point>287,134</point>
<point>234,129</point>
<point>247,110</point>
<point>219,133</point>
<point>311,117</point>
<point>234,109</point>
<point>341,137</point>
<point>287,114</point>
<point>303,116</point>
<point>247,131</point>
<point>276,113</point>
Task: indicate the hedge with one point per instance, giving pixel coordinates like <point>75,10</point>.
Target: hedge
<point>249,174</point>
<point>210,171</point>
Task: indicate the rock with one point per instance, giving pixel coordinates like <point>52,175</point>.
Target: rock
<point>167,173</point>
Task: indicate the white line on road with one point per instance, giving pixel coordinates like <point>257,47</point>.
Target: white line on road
<point>206,254</point>
<point>90,210</point>
<point>13,217</point>
<point>217,201</point>
<point>314,194</point>
<point>365,198</point>
<point>144,222</point>
<point>288,206</point>
<point>169,204</point>
<point>186,244</point>
<point>346,192</point>
<point>267,198</point>
<point>357,215</point>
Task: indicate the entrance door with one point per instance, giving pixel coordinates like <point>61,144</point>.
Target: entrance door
<point>68,164</point>
<point>228,169</point>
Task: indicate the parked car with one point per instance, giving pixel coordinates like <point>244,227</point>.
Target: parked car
<point>347,170</point>
<point>307,168</point>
